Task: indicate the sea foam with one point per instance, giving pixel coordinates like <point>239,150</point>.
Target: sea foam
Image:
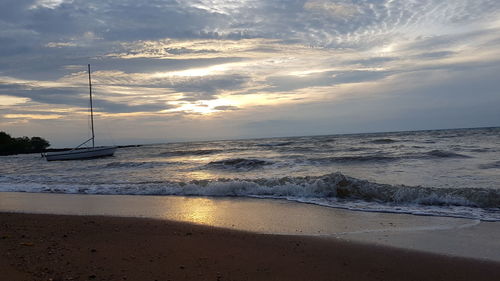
<point>333,190</point>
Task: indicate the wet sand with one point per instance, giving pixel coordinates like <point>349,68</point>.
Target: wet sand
<point>441,235</point>
<point>60,247</point>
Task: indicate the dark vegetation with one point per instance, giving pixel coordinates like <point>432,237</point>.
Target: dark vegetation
<point>10,145</point>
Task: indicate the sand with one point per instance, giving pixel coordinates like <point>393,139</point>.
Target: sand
<point>442,235</point>
<point>62,247</point>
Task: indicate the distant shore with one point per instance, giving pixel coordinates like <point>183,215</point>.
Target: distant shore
<point>21,145</point>
<point>59,247</point>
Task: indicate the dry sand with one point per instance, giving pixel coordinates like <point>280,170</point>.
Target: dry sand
<point>57,247</point>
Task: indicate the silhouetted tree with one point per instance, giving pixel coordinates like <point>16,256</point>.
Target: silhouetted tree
<point>10,145</point>
<point>38,144</point>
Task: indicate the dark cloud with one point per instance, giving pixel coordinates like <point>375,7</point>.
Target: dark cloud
<point>179,51</point>
<point>150,65</point>
<point>328,78</point>
<point>207,87</point>
<point>115,107</point>
<point>434,55</point>
<point>134,20</point>
<point>263,50</point>
<point>360,76</point>
<point>48,21</point>
<point>61,96</point>
<point>226,107</point>
<point>88,29</point>
<point>447,41</point>
<point>290,83</point>
<point>323,23</point>
<point>373,61</point>
<point>112,20</point>
<point>14,10</point>
<point>74,97</point>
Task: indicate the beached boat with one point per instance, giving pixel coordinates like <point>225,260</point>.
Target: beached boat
<point>79,153</point>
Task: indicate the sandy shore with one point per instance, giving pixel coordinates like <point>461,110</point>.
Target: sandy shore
<point>55,247</point>
<point>440,235</point>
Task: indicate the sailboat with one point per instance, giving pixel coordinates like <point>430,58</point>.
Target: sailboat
<point>79,153</point>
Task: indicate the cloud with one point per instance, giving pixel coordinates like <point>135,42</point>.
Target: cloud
<point>226,107</point>
<point>435,55</point>
<point>204,88</point>
<point>322,79</point>
<point>73,96</point>
<point>50,4</point>
<point>337,10</point>
<point>259,61</point>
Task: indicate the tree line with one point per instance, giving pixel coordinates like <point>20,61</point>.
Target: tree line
<point>10,145</point>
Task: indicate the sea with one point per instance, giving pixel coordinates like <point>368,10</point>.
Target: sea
<point>453,173</point>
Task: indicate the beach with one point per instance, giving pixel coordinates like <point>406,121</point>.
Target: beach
<point>229,140</point>
<point>450,173</point>
<point>61,247</point>
<point>387,206</point>
<point>106,237</point>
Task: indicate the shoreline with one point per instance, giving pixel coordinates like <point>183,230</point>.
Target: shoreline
<point>440,235</point>
<point>68,247</point>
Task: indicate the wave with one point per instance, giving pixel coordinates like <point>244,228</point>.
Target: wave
<point>382,141</point>
<point>355,149</point>
<point>482,150</point>
<point>380,157</point>
<point>276,143</point>
<point>493,165</point>
<point>446,154</point>
<point>148,164</point>
<point>238,164</point>
<point>190,152</point>
<point>334,190</point>
<point>355,159</point>
<point>449,136</point>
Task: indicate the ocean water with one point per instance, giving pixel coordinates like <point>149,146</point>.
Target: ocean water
<point>452,173</point>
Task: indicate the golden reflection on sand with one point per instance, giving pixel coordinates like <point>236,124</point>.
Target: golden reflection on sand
<point>197,210</point>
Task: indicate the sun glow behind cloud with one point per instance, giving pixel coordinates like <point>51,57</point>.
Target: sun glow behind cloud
<point>211,70</point>
<point>202,107</point>
<point>32,116</point>
<point>9,101</point>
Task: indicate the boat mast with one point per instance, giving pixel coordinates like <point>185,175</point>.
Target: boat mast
<point>91,109</point>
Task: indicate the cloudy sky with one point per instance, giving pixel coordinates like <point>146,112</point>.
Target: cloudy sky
<point>167,70</point>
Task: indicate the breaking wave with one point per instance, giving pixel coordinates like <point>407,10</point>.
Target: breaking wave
<point>333,190</point>
<point>290,168</point>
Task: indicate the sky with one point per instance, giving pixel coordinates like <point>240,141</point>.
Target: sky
<point>166,70</point>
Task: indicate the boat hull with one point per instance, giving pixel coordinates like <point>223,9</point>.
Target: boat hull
<point>81,154</point>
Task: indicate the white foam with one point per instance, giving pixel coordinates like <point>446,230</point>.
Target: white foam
<point>332,190</point>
